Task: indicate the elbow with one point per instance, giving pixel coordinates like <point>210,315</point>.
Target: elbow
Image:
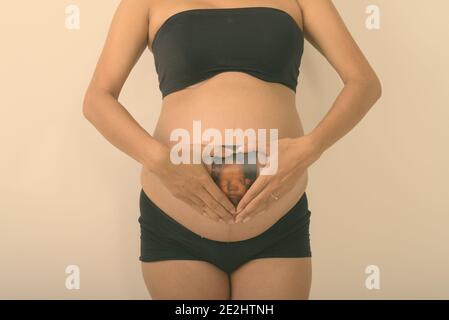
<point>375,87</point>
<point>90,104</point>
<point>93,100</point>
<point>87,105</point>
<point>370,84</point>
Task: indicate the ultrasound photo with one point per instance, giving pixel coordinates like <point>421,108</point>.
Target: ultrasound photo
<point>235,174</point>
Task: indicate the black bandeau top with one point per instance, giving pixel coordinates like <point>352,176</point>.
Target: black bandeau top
<point>196,44</point>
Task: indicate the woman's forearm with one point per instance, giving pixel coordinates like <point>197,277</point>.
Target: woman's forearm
<point>351,105</point>
<point>117,125</point>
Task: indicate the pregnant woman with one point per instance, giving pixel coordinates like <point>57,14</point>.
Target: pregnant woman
<point>212,230</point>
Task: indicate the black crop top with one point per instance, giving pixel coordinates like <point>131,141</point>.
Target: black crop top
<point>196,44</point>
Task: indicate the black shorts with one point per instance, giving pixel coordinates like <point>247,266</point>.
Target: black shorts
<point>164,238</point>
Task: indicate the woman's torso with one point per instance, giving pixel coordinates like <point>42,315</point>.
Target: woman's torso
<point>228,100</point>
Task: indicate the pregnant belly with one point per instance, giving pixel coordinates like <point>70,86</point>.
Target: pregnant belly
<point>206,113</point>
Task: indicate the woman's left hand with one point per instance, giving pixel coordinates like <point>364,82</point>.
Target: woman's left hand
<point>294,155</point>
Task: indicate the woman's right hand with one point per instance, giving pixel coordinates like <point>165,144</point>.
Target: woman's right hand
<point>193,184</point>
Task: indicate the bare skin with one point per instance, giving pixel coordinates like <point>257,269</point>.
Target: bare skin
<point>253,104</point>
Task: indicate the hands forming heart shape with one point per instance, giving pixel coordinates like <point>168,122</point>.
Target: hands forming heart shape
<point>234,174</point>
<point>237,187</point>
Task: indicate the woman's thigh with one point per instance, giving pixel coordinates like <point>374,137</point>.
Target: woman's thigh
<point>185,279</point>
<point>273,278</point>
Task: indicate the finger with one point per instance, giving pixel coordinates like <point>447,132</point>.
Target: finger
<point>254,208</point>
<point>204,209</point>
<point>215,207</point>
<point>194,201</point>
<point>257,187</point>
<point>259,204</point>
<point>218,195</point>
<point>201,207</point>
<point>197,207</point>
<point>213,215</point>
<point>279,192</point>
<point>284,188</point>
<point>193,198</point>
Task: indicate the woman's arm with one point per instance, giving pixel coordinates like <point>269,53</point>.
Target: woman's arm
<point>326,31</point>
<point>125,43</point>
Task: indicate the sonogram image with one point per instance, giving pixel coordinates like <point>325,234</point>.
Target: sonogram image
<point>235,177</point>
